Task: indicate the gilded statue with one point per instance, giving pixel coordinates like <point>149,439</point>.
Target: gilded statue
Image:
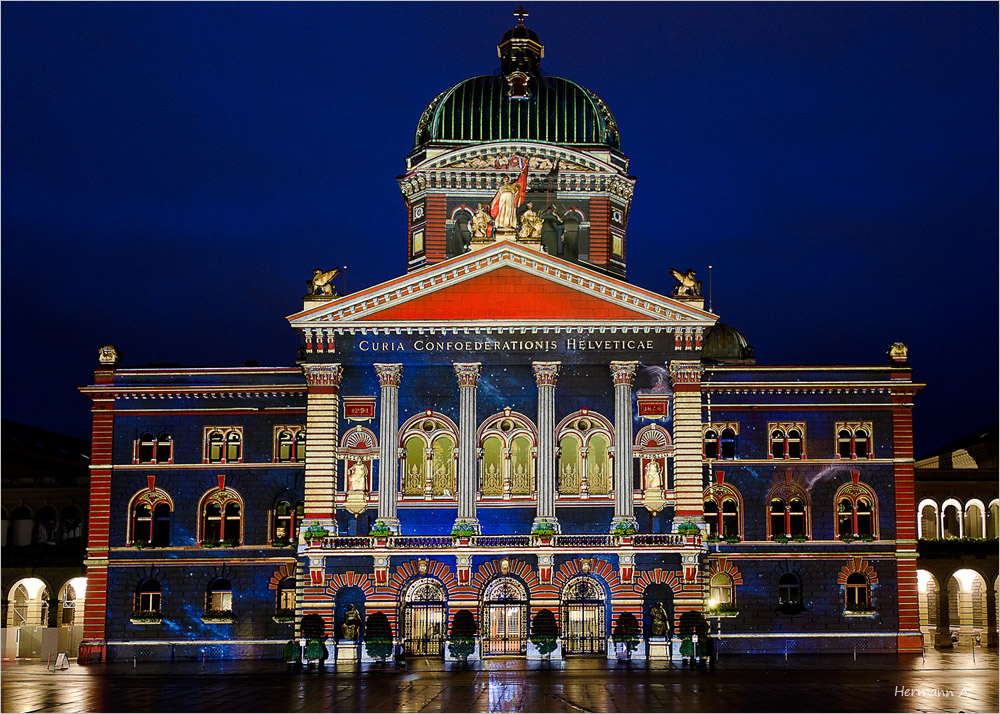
<point>322,282</point>
<point>686,284</point>
<point>531,224</point>
<point>658,628</point>
<point>352,624</point>
<point>481,222</point>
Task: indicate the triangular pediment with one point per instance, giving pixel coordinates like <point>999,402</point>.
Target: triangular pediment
<point>505,284</point>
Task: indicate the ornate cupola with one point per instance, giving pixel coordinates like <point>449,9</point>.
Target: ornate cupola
<point>521,156</point>
<point>520,55</point>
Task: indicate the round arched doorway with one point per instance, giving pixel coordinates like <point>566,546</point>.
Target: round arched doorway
<point>424,618</point>
<point>584,618</point>
<point>505,615</point>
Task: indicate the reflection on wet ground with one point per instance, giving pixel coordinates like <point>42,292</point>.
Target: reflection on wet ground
<point>946,682</point>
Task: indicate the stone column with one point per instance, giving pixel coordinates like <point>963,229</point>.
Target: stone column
<point>546,374</point>
<point>623,373</point>
<point>322,407</point>
<point>389,376</point>
<point>991,615</point>
<point>942,636</point>
<point>468,380</point>
<point>685,378</point>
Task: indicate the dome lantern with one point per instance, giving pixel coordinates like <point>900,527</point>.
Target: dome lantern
<point>520,53</point>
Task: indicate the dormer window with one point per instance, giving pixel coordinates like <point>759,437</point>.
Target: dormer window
<point>517,86</point>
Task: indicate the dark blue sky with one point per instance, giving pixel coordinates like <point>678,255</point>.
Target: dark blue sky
<point>173,172</point>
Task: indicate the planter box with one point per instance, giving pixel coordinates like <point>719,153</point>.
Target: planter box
<point>618,651</point>
<point>146,622</point>
<point>534,654</point>
<point>472,657</point>
<point>850,613</point>
<point>365,657</point>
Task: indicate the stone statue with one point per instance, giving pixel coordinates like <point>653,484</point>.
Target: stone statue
<point>658,628</point>
<point>481,222</point>
<point>654,476</point>
<point>352,624</point>
<point>686,284</point>
<point>356,477</point>
<point>531,224</point>
<point>504,205</point>
<point>323,282</point>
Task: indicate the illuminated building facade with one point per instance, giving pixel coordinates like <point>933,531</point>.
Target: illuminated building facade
<point>508,428</point>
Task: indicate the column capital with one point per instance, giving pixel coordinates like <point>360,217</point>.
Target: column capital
<point>546,373</point>
<point>323,375</point>
<point>468,373</point>
<point>623,372</point>
<point>389,375</point>
<point>686,373</point>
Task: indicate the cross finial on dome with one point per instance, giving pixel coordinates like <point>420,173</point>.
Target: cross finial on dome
<point>520,15</point>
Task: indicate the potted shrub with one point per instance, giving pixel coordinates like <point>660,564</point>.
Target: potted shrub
<point>218,616</point>
<point>316,651</point>
<point>378,636</point>
<point>779,539</point>
<point>284,615</point>
<point>846,539</point>
<point>690,624</point>
<point>462,641</point>
<point>210,543</point>
<point>544,633</point>
<point>315,534</point>
<point>462,531</point>
<point>140,543</point>
<point>690,532</point>
<point>292,653</point>
<point>712,538</point>
<point>624,530</point>
<point>723,609</point>
<point>859,610</point>
<point>626,633</point>
<point>147,617</point>
<point>380,532</point>
<point>543,531</point>
<point>732,539</point>
<point>280,543</point>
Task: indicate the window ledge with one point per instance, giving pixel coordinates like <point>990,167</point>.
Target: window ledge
<point>283,619</point>
<point>722,614</point>
<point>218,620</point>
<point>851,613</point>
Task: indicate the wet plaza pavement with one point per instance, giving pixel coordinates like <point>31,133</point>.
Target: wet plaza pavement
<point>945,682</point>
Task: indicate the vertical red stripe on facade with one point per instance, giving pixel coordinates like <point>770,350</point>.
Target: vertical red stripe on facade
<point>600,237</point>
<point>906,527</point>
<point>435,238</point>
<point>100,516</point>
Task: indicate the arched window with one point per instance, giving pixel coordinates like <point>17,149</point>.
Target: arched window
<point>149,523</point>
<point>951,519</point>
<point>727,444</point>
<point>284,523</point>
<point>721,590</point>
<point>992,515</point>
<point>461,235</point>
<point>508,441</point>
<point>788,513</point>
<point>223,445</point>
<point>151,449</point>
<point>45,526</point>
<point>72,600</point>
<point>148,597</point>
<point>789,590</point>
<point>787,440</point>
<point>285,601</point>
<point>289,444</point>
<point>974,522</point>
<point>21,526</point>
<point>584,460</point>
<point>429,441</point>
<point>857,594</point>
<point>928,519</point>
<point>711,444</point>
<point>221,519</point>
<point>219,596</point>
<point>71,525</point>
<point>856,512</point>
<point>854,440</point>
<point>724,511</point>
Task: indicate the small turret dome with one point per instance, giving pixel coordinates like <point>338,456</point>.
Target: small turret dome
<point>724,343</point>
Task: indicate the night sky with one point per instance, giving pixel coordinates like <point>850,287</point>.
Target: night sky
<point>173,172</point>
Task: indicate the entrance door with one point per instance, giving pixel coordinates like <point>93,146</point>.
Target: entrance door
<point>584,631</point>
<point>506,613</point>
<point>424,625</point>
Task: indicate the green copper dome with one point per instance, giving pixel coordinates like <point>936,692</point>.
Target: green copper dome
<point>518,104</point>
<point>557,111</point>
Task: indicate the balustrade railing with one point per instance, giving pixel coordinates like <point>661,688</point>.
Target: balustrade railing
<point>566,540</point>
